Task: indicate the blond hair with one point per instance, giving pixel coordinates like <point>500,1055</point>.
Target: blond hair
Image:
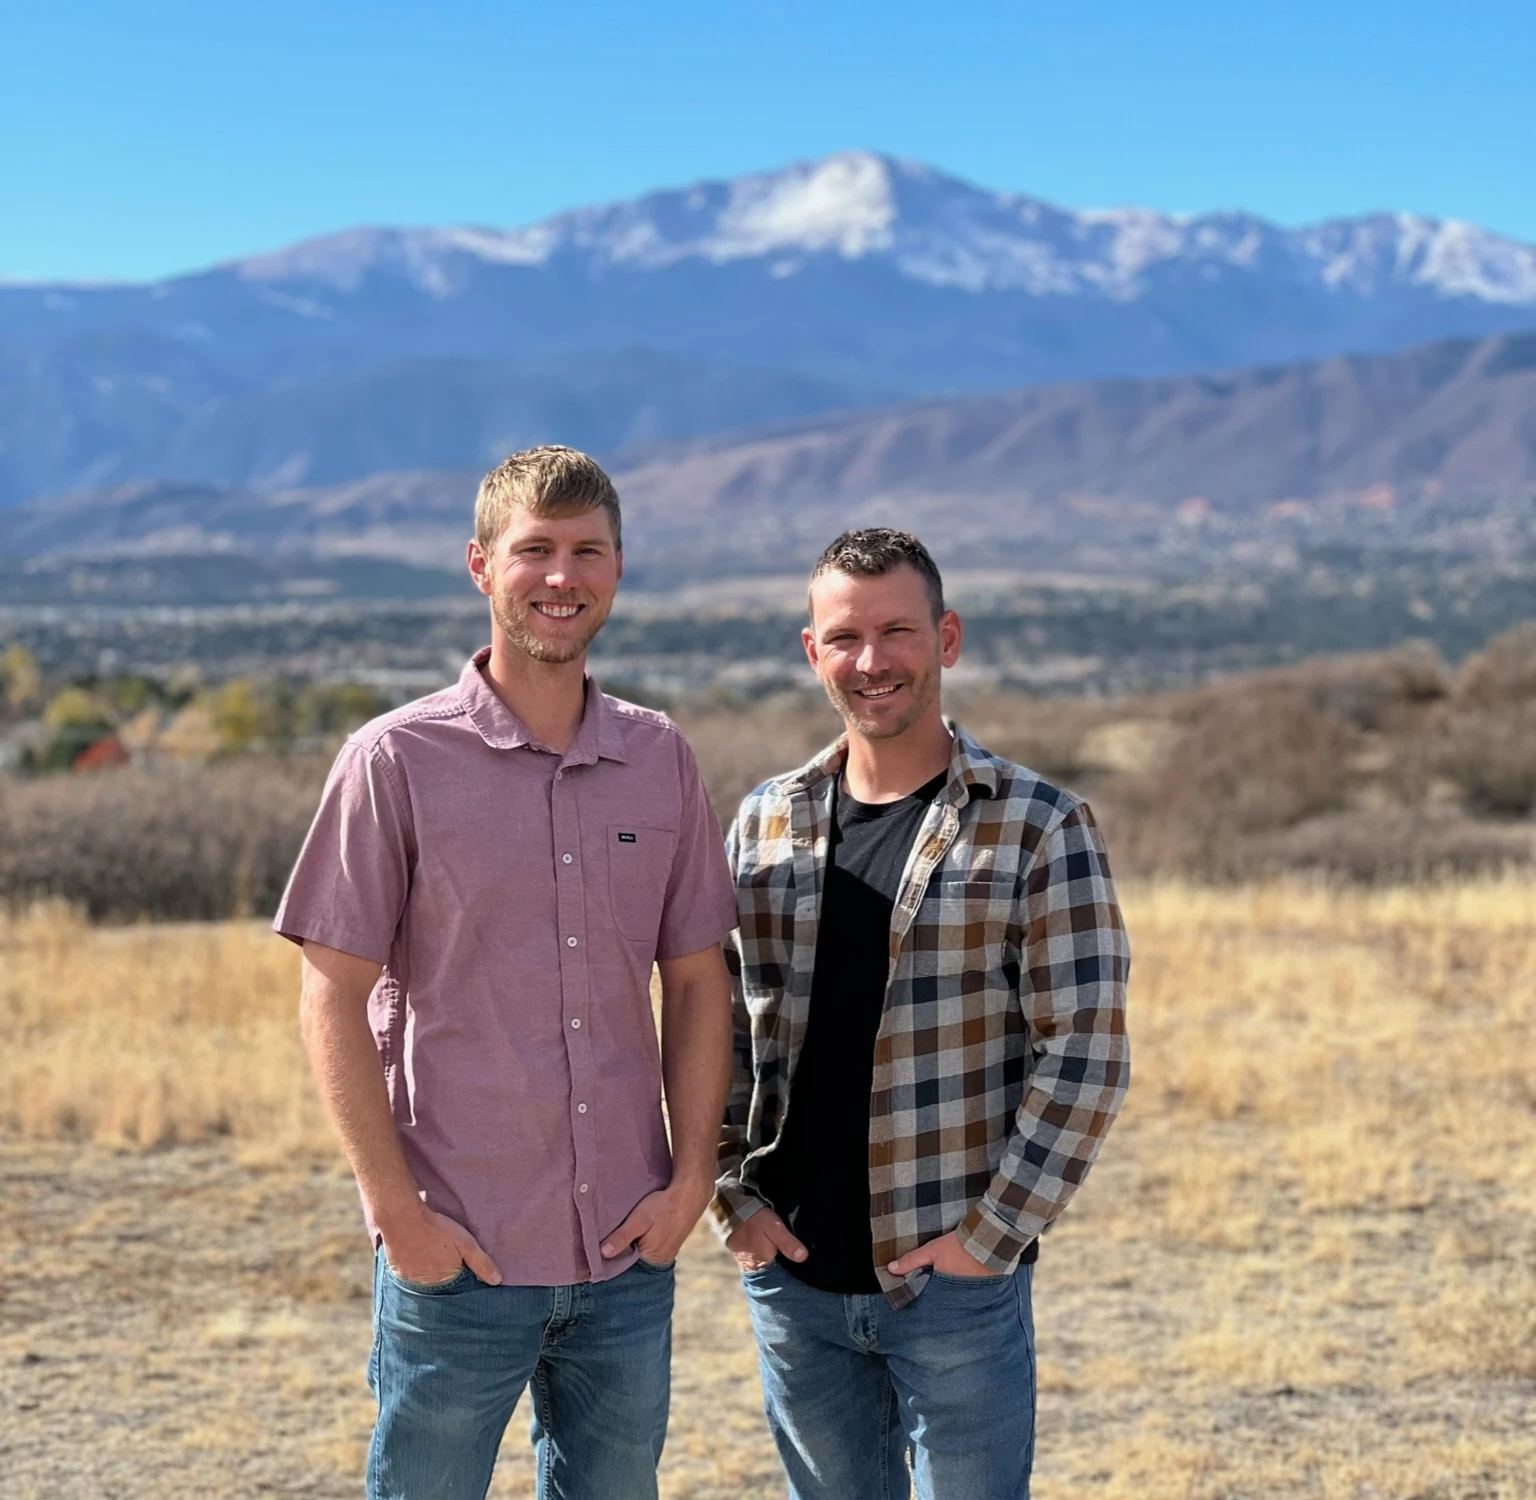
<point>547,481</point>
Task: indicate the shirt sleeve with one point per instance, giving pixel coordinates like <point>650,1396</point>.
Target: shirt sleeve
<point>733,1205</point>
<point>1076,960</point>
<point>700,906</point>
<point>349,887</point>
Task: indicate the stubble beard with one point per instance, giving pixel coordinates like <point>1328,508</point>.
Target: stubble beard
<point>922,688</point>
<point>513,622</point>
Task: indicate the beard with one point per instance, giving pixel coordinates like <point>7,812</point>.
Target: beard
<point>922,689</point>
<point>516,622</point>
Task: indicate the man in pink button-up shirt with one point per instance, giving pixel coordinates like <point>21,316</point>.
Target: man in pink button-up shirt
<point>490,876</point>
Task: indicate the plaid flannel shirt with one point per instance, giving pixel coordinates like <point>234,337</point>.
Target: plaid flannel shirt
<point>1002,1055</point>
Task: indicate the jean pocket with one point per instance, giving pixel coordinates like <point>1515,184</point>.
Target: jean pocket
<point>662,1268</point>
<point>459,1281</point>
<point>970,1283</point>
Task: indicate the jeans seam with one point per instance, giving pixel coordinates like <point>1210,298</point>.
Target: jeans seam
<point>546,1460</point>
<point>378,1322</point>
<point>887,1411</point>
<point>375,1444</point>
<point>1029,1348</point>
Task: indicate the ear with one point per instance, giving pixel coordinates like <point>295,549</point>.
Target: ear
<point>479,566</point>
<point>808,640</point>
<point>618,565</point>
<point>949,638</point>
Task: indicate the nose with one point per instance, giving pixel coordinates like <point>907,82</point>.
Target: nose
<point>558,574</point>
<point>870,659</point>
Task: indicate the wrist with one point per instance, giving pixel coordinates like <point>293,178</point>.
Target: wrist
<point>695,1182</point>
<point>399,1216</point>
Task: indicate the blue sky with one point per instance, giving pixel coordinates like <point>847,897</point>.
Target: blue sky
<point>137,141</point>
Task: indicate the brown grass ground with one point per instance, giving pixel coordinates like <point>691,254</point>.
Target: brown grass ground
<point>1306,1265</point>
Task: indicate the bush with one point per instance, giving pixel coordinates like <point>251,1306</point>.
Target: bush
<point>1049,735</point>
<point>1251,760</point>
<point>192,844</point>
<point>1384,846</point>
<point>1490,755</point>
<point>1368,691</point>
<point>1503,672</point>
<point>739,749</point>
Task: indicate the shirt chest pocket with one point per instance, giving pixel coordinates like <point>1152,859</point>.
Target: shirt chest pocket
<point>639,867</point>
<point>972,909</point>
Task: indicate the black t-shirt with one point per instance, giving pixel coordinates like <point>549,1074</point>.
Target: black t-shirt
<point>817,1178</point>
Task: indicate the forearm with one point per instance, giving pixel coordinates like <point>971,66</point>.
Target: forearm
<point>696,1062</point>
<point>350,1077</point>
<point>1055,1139</point>
<point>1076,959</point>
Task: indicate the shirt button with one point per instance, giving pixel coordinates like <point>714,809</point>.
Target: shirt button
<point>570,942</point>
<point>565,859</point>
<point>581,1109</point>
<point>583,1187</point>
<point>559,775</point>
<point>576,1024</point>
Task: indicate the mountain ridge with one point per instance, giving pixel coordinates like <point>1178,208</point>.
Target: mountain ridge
<point>1427,453</point>
<point>860,202</point>
<point>846,282</point>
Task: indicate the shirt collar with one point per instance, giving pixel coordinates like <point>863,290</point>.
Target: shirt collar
<point>601,733</point>
<point>973,772</point>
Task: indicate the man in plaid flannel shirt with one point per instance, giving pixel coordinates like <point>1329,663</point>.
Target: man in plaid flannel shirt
<point>930,1047</point>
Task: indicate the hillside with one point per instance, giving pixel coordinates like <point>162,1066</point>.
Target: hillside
<point>846,281</point>
<point>1429,452</point>
<point>1397,451</point>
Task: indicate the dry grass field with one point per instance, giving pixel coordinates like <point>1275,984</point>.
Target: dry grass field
<point>1305,1266</point>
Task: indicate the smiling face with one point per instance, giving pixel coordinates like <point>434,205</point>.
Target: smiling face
<point>550,580</point>
<point>878,650</point>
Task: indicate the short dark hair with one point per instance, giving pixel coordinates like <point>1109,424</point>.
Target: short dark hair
<point>874,551</point>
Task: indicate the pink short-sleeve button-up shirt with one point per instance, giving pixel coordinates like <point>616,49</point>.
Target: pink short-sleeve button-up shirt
<point>517,898</point>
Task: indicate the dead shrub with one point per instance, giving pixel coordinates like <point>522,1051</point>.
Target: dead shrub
<point>1385,846</point>
<point>1367,690</point>
<point>1249,762</point>
<point>738,749</point>
<point>1504,671</point>
<point>193,844</point>
<point>1490,755</point>
<point>1049,735</point>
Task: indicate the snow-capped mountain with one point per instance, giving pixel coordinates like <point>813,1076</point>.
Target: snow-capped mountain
<point>840,282</point>
<point>932,229</point>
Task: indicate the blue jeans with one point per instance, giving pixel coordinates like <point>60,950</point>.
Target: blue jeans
<point>450,1361</point>
<point>852,1386</point>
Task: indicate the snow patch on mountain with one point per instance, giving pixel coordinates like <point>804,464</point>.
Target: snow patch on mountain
<point>844,205</point>
<point>432,260</point>
<point>1447,256</point>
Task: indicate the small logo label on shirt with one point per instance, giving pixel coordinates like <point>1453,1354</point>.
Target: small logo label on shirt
<point>626,838</point>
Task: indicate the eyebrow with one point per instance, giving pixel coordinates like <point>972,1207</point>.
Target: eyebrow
<point>883,625</point>
<point>547,539</point>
